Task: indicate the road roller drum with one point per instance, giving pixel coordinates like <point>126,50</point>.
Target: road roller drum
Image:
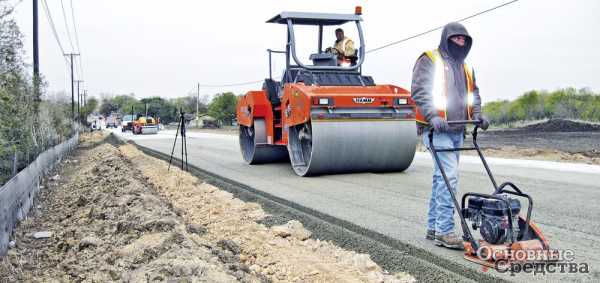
<point>364,146</point>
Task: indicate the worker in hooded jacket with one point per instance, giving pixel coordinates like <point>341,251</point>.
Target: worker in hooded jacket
<point>444,89</point>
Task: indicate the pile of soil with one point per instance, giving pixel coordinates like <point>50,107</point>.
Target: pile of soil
<point>561,125</point>
<point>100,221</point>
<point>281,253</point>
<point>115,214</point>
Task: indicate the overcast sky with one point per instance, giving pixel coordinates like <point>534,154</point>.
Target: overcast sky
<point>163,48</point>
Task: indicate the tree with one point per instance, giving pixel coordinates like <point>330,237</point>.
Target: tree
<point>126,102</point>
<point>222,107</point>
<point>108,106</point>
<point>188,103</point>
<point>160,108</point>
<point>88,108</point>
<point>27,126</point>
<point>119,103</point>
<point>19,134</point>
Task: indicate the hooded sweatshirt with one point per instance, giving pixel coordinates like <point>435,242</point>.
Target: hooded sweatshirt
<point>423,73</point>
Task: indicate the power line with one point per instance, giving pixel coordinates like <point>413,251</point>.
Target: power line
<point>67,25</point>
<point>64,13</point>
<point>76,39</point>
<point>440,27</point>
<point>53,27</point>
<point>231,84</point>
<point>383,46</point>
<point>75,26</point>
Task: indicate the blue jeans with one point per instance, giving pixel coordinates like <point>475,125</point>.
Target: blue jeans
<point>441,206</point>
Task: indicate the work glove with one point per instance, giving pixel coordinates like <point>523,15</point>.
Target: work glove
<point>439,124</point>
<point>485,123</point>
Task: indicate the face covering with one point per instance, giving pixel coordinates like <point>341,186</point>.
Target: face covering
<point>459,53</point>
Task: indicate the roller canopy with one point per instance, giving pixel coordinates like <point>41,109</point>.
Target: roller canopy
<point>315,19</point>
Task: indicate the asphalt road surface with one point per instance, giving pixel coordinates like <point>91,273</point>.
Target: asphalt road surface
<point>566,196</point>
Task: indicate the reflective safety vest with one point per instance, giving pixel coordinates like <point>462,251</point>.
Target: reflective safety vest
<point>440,87</point>
<point>345,46</point>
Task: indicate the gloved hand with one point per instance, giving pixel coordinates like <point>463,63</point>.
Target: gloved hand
<point>439,124</point>
<point>485,123</point>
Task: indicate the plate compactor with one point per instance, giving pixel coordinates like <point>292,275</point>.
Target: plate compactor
<point>506,236</point>
<point>326,117</point>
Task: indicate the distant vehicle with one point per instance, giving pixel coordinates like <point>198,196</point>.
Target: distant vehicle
<point>95,126</point>
<point>127,123</point>
<point>112,121</point>
<point>210,124</point>
<point>145,125</point>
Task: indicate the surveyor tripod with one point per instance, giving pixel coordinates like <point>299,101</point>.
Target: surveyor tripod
<point>180,129</point>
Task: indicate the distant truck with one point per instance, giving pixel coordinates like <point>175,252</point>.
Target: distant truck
<point>127,123</point>
<point>113,120</point>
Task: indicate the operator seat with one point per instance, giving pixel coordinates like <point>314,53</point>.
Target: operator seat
<point>273,88</point>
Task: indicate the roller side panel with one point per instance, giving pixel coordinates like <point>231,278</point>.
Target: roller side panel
<point>255,105</point>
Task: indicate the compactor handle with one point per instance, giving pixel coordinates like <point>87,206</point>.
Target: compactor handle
<point>465,122</point>
<point>477,123</point>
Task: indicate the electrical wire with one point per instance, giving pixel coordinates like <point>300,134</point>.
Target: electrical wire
<point>53,28</point>
<point>439,27</point>
<point>77,41</point>
<point>67,25</point>
<point>232,84</point>
<point>383,46</point>
<point>64,13</point>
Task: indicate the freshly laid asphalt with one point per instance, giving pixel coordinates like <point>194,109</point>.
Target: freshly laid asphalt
<point>566,196</point>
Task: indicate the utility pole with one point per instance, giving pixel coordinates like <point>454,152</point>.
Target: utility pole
<point>197,108</point>
<point>78,101</point>
<point>36,53</point>
<point>71,55</point>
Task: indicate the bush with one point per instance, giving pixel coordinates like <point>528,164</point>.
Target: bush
<point>28,124</point>
<point>567,103</point>
<point>222,107</point>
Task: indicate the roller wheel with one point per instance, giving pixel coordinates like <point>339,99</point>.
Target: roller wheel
<point>254,147</point>
<point>300,147</point>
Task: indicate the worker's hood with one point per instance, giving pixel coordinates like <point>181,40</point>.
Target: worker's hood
<point>449,48</point>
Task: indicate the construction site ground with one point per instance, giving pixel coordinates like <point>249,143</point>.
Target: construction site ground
<point>552,140</point>
<point>112,213</point>
<point>391,207</point>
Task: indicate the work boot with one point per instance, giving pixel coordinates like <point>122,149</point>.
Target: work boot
<point>449,240</point>
<point>430,235</point>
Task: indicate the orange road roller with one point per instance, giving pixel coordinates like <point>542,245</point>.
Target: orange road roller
<point>325,116</point>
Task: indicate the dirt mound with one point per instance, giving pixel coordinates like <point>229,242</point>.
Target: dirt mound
<point>103,222</point>
<point>284,253</point>
<point>119,215</point>
<point>562,125</point>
